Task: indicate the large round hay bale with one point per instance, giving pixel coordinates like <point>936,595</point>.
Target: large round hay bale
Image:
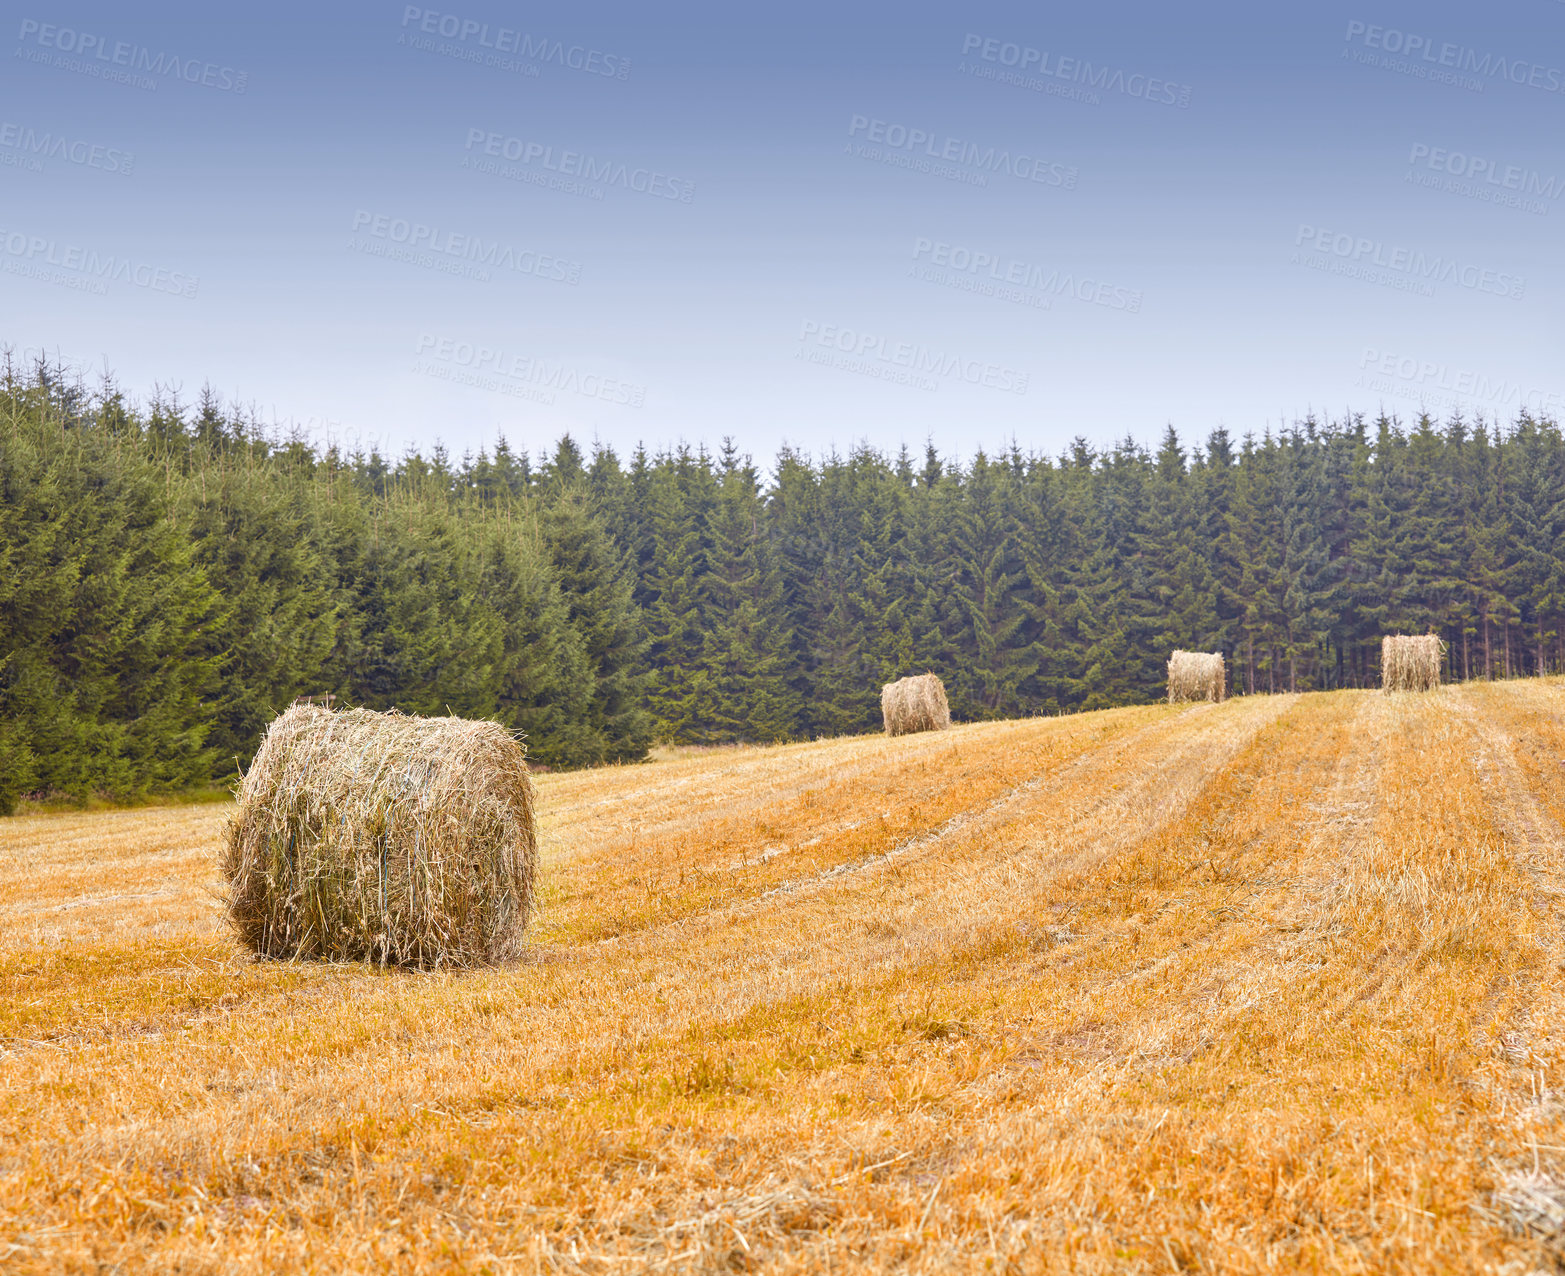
<point>1410,662</point>
<point>383,837</point>
<point>914,704</point>
<point>1197,675</point>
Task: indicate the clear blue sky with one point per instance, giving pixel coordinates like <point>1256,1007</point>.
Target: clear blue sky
<point>808,223</point>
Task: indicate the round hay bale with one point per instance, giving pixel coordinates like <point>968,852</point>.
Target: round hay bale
<point>1197,675</point>
<point>1410,662</point>
<point>914,704</point>
<point>364,836</point>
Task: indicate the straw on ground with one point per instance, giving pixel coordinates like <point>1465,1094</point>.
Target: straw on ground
<point>1269,986</point>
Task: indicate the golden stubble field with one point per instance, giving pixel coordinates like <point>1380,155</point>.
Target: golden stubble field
<point>1268,985</point>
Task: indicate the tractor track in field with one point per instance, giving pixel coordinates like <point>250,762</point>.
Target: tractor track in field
<point>1536,838</point>
<point>1521,815</point>
<point>1530,1192</point>
<point>923,839</point>
<point>879,794</point>
<point>1267,933</point>
<point>764,783</point>
<point>1192,754</point>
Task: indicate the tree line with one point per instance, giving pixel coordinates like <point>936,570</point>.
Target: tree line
<point>173,575</point>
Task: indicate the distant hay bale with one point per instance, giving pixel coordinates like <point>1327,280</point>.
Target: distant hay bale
<point>1410,662</point>
<point>1197,675</point>
<point>914,704</point>
<point>378,836</point>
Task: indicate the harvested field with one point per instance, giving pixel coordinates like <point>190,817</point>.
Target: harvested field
<point>1272,984</point>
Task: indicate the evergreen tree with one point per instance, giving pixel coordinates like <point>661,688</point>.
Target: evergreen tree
<point>171,577</point>
<point>598,589</point>
<point>254,533</point>
<point>680,697</point>
<point>103,642</point>
<point>544,677</point>
<point>745,651</point>
<point>993,658</point>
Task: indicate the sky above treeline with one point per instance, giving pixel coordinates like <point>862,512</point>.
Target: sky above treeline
<point>809,224</point>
